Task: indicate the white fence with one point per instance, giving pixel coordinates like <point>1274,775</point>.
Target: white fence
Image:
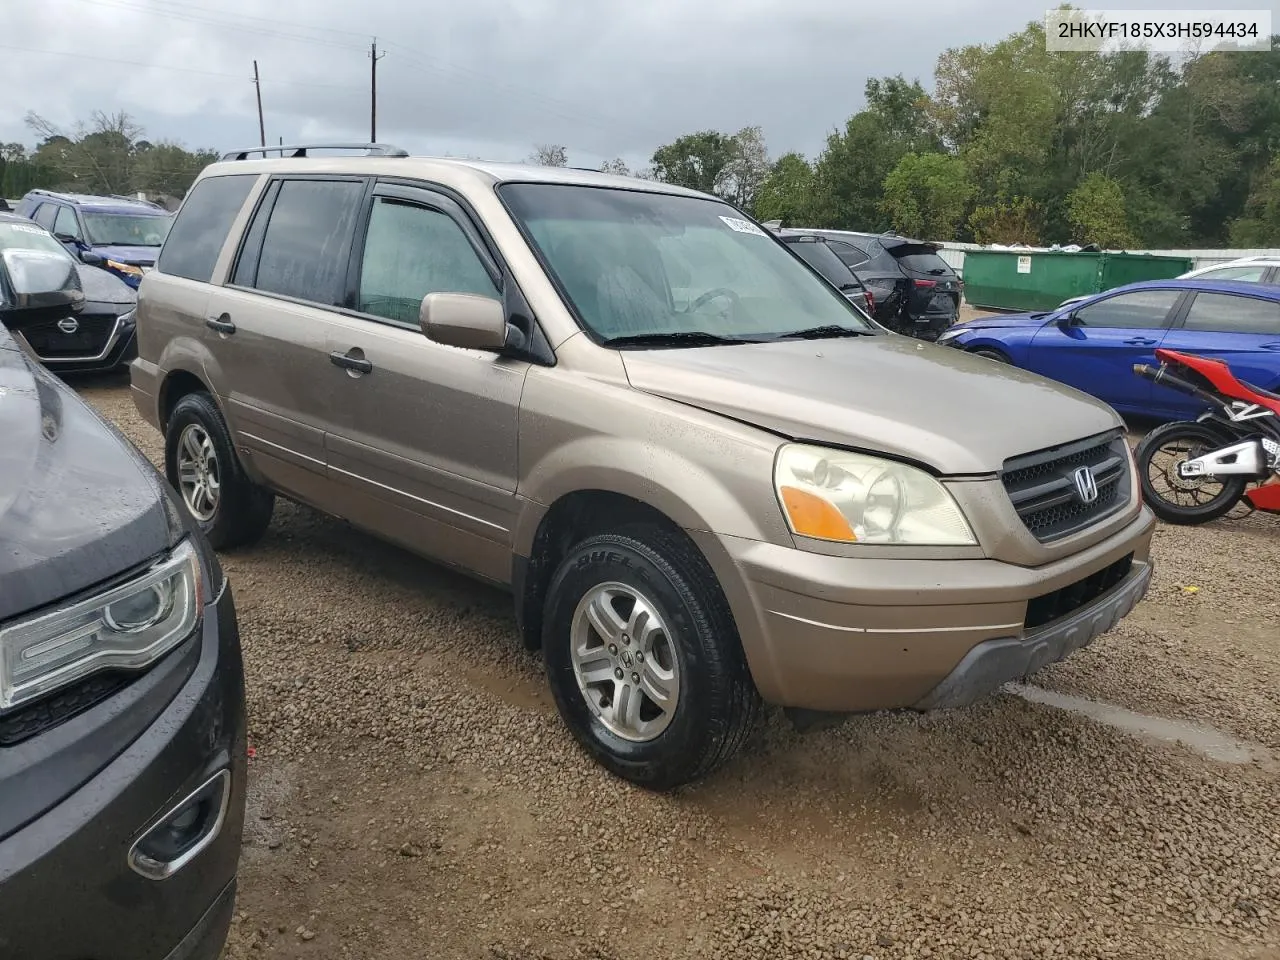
<point>953,254</point>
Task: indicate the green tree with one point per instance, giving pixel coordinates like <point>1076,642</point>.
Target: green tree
<point>697,161</point>
<point>849,173</point>
<point>927,194</point>
<point>786,193</point>
<point>1260,225</point>
<point>1007,222</point>
<point>1096,210</point>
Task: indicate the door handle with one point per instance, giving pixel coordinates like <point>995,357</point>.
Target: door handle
<point>1141,342</point>
<point>1270,346</point>
<point>348,362</point>
<point>221,324</point>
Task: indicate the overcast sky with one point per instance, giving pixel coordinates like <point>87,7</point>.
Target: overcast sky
<point>482,77</point>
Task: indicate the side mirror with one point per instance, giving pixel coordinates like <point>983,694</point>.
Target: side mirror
<point>91,258</point>
<point>464,320</point>
<point>1068,320</point>
<point>37,285</point>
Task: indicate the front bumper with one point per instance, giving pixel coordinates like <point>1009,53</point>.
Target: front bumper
<point>849,634</point>
<point>121,349</point>
<point>67,890</point>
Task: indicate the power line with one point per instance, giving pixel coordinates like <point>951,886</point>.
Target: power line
<point>79,55</point>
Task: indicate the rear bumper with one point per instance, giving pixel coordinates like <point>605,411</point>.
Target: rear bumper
<point>67,888</point>
<point>853,635</point>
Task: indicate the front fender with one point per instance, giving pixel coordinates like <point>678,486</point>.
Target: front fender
<point>702,471</point>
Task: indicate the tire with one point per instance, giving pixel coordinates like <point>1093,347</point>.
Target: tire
<point>990,354</point>
<point>241,510</point>
<point>1199,438</point>
<point>695,652</point>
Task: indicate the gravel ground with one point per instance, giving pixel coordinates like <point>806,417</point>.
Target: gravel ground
<point>413,794</point>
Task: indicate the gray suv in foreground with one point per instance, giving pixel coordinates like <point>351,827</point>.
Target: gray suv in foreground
<point>122,713</point>
<point>706,478</point>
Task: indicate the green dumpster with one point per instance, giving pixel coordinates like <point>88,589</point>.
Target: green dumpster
<point>1040,280</point>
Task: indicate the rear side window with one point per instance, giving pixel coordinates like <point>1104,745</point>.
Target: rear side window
<point>850,253</point>
<point>1249,274</point>
<point>307,243</point>
<point>1221,312</point>
<point>191,249</point>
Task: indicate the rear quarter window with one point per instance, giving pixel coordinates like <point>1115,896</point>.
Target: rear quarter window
<point>198,233</point>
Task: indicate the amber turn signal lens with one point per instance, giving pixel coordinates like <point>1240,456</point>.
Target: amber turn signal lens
<point>812,516</point>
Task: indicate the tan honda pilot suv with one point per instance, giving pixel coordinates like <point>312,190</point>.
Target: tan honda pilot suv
<point>708,478</point>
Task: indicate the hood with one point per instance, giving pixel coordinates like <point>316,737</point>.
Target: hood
<point>78,504</point>
<point>957,413</point>
<point>139,256</point>
<point>103,286</point>
<point>1004,320</point>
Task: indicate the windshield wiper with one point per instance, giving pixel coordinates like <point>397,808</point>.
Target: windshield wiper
<point>677,338</point>
<point>830,331</point>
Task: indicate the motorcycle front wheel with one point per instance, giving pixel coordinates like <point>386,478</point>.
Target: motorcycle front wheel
<point>1184,500</point>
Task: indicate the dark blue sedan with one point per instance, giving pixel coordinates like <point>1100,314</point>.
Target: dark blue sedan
<point>1093,344</point>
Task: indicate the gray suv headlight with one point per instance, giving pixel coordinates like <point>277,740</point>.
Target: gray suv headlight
<point>850,497</point>
<point>129,626</point>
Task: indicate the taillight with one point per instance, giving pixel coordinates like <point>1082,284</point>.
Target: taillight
<point>926,284</point>
<point>871,301</point>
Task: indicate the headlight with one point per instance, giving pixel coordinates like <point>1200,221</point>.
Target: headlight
<point>855,498</point>
<point>951,333</point>
<point>125,268</point>
<point>128,627</point>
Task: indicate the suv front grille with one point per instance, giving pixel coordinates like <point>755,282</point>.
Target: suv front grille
<point>1051,494</point>
<point>1053,606</point>
<point>88,340</point>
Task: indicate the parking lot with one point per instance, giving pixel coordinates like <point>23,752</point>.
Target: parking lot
<point>413,793</point>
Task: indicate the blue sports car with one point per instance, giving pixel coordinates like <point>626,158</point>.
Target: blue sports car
<point>1093,344</point>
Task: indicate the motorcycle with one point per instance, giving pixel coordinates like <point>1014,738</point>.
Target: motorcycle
<point>1228,455</point>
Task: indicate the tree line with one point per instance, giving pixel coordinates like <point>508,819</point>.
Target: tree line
<point>1019,144</point>
<point>109,154</point>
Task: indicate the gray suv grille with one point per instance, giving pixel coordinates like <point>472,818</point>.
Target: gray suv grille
<point>1062,490</point>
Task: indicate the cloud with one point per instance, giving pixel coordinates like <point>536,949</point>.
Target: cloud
<point>483,77</point>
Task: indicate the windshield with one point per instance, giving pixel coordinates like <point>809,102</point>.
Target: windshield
<point>637,265</point>
<point>28,236</point>
<point>126,230</point>
<point>823,259</point>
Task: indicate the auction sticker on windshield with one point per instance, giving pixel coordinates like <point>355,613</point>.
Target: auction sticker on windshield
<point>743,226</point>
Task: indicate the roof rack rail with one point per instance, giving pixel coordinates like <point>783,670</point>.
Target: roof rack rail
<point>300,150</point>
<point>121,196</point>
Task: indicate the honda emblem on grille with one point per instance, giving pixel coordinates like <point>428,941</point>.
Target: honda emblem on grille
<point>1086,485</point>
<point>68,324</point>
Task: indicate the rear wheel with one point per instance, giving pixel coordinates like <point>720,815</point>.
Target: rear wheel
<point>644,660</point>
<point>1184,500</point>
<point>202,466</point>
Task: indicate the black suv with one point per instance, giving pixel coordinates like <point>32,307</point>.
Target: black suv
<point>916,292</point>
<point>818,253</point>
<point>122,712</point>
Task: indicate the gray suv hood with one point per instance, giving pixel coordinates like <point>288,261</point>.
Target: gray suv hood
<point>957,413</point>
<point>78,504</point>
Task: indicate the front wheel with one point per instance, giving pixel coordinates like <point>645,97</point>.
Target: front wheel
<point>1184,500</point>
<point>644,660</point>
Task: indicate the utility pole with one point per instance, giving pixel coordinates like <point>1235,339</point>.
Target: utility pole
<point>374,57</point>
<point>257,85</point>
